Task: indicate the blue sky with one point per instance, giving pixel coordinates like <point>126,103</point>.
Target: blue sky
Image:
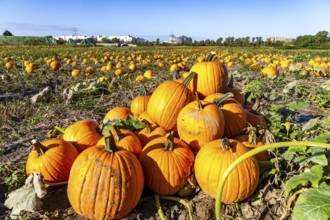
<point>206,19</point>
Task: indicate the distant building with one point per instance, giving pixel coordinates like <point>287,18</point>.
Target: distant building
<point>122,38</point>
<point>73,37</point>
<point>281,39</point>
<point>179,40</point>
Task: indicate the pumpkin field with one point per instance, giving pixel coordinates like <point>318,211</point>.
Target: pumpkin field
<point>151,132</point>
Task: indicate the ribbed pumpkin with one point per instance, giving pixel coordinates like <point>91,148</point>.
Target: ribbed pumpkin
<point>52,158</point>
<point>255,120</point>
<point>214,158</point>
<point>167,164</point>
<point>251,144</point>
<point>82,134</point>
<point>149,133</point>
<point>116,113</point>
<point>200,122</point>
<point>139,105</point>
<point>166,102</point>
<point>145,117</point>
<point>125,139</point>
<point>105,182</point>
<point>211,77</point>
<point>233,111</point>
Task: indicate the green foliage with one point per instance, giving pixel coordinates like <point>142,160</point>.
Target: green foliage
<point>313,204</point>
<point>129,123</point>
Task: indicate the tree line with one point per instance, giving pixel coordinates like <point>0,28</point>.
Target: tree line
<point>320,40</point>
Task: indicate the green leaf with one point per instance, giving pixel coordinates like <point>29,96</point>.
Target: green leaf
<point>312,175</point>
<point>317,156</point>
<point>322,138</point>
<point>313,204</point>
<point>326,122</point>
<point>129,123</point>
<point>297,105</point>
<point>311,124</point>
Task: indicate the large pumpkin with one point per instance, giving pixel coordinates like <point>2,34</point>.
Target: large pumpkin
<point>166,102</point>
<point>52,158</point>
<point>200,122</point>
<point>211,77</point>
<point>105,182</point>
<point>212,161</point>
<point>82,134</point>
<point>167,164</point>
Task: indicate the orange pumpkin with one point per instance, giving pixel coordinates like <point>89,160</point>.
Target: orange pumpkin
<point>244,139</point>
<point>214,158</point>
<point>105,182</point>
<point>52,158</point>
<point>233,111</point>
<point>149,133</point>
<point>211,77</point>
<point>238,95</point>
<point>200,122</point>
<point>82,134</point>
<point>139,105</point>
<point>166,102</point>
<point>117,113</point>
<point>255,120</point>
<point>167,164</point>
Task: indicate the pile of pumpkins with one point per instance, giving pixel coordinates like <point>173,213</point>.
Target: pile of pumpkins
<point>195,125</point>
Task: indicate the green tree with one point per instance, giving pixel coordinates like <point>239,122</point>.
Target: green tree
<point>7,33</point>
<point>321,37</point>
<point>219,41</point>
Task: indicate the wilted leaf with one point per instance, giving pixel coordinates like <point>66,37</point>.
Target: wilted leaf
<point>312,175</point>
<point>311,124</point>
<point>129,123</point>
<point>313,204</point>
<point>289,86</point>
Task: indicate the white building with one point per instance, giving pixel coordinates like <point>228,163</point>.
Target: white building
<point>178,40</point>
<point>73,37</point>
<point>122,38</point>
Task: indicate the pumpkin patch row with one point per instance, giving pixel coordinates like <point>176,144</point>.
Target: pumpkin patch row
<point>191,126</point>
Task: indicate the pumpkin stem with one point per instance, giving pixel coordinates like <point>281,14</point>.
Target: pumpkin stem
<point>225,145</point>
<point>110,144</point>
<point>169,141</point>
<point>117,133</point>
<point>41,149</point>
<point>252,135</point>
<point>200,106</point>
<point>59,129</point>
<point>148,126</point>
<point>210,56</point>
<point>223,98</point>
<point>188,79</point>
<point>231,81</point>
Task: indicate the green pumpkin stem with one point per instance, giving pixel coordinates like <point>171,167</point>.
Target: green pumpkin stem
<point>188,79</point>
<point>41,149</point>
<point>148,126</point>
<point>209,57</point>
<point>117,133</point>
<point>169,142</point>
<point>59,129</point>
<point>110,144</point>
<point>220,100</point>
<point>225,144</point>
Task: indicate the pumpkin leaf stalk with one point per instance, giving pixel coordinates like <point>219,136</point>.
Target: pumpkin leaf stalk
<point>250,154</point>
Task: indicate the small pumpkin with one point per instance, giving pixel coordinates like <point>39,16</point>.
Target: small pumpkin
<point>167,164</point>
<point>150,132</point>
<point>167,100</point>
<point>214,158</point>
<point>139,105</point>
<point>53,158</point>
<point>233,111</point>
<point>83,134</point>
<point>116,113</point>
<point>105,182</point>
<point>200,122</point>
<point>252,143</point>
<point>255,120</point>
